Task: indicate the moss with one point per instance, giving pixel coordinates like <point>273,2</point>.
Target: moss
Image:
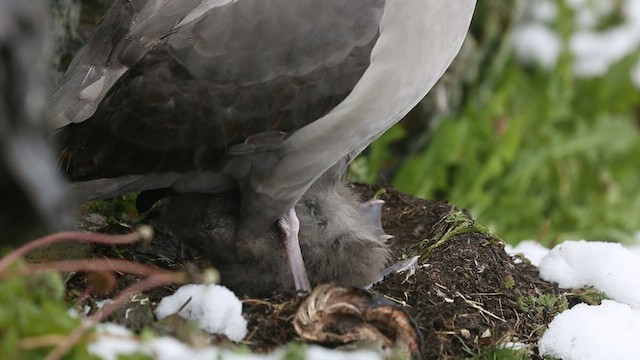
<point>541,307</point>
<point>457,222</point>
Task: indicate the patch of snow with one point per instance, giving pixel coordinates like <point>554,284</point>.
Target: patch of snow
<point>168,348</point>
<point>588,12</point>
<point>530,249</point>
<point>608,267</point>
<point>114,340</point>
<point>631,12</point>
<point>594,49</point>
<point>607,331</point>
<point>215,308</point>
<point>535,43</point>
<point>595,52</point>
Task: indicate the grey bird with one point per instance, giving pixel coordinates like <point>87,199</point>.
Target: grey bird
<point>264,96</point>
<point>33,193</point>
<point>341,240</point>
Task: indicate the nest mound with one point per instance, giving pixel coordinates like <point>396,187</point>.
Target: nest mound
<point>466,296</point>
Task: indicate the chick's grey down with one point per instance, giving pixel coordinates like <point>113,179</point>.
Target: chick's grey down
<point>264,96</point>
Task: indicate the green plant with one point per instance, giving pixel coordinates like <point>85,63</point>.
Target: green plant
<point>34,317</point>
<point>537,153</point>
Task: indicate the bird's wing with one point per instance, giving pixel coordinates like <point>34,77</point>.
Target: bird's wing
<point>220,73</point>
<point>128,30</point>
<point>418,41</point>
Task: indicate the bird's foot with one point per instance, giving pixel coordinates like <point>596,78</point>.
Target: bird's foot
<point>289,226</point>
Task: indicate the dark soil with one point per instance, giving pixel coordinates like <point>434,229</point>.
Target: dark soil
<point>467,295</point>
<point>468,291</point>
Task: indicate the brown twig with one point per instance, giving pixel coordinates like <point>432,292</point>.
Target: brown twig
<point>142,233</point>
<point>35,342</point>
<point>117,265</point>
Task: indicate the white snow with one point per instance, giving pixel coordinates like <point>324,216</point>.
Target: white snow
<point>536,44</point>
<point>595,52</point>
<point>114,340</point>
<point>532,251</point>
<point>608,267</point>
<point>607,331</point>
<point>594,49</point>
<point>597,49</point>
<point>588,12</point>
<point>215,308</point>
<point>584,332</point>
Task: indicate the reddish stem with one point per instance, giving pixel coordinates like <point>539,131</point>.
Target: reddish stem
<point>154,280</point>
<point>117,265</point>
<point>142,233</point>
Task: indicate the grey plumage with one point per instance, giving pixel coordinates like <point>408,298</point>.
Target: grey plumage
<point>340,244</point>
<point>261,95</point>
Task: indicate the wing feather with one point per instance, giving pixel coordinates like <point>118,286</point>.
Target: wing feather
<point>239,69</point>
<point>127,32</point>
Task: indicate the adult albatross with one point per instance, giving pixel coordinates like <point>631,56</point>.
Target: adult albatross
<point>266,96</point>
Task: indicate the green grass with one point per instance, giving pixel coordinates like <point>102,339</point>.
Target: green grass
<point>535,153</point>
<point>497,353</point>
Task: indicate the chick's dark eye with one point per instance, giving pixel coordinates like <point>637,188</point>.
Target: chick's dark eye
<point>336,244</point>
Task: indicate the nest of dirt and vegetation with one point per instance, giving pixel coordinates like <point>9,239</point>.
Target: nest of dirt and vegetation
<point>467,297</point>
